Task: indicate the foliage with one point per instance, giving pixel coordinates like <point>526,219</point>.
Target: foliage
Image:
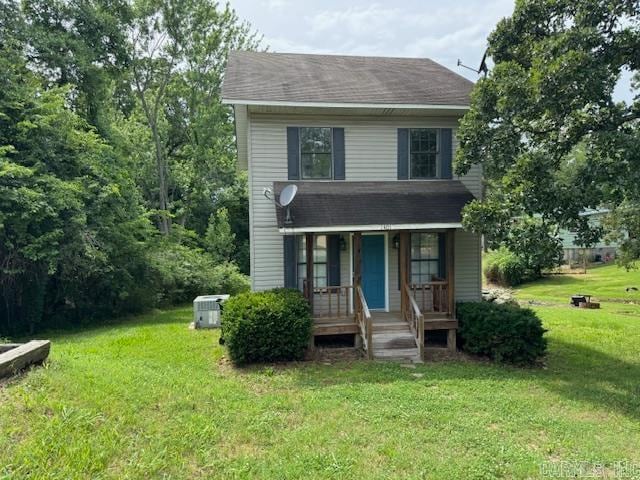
<point>70,221</point>
<point>503,267</point>
<point>545,127</point>
<point>179,52</point>
<point>505,333</point>
<point>182,273</point>
<point>79,159</point>
<point>219,239</point>
<point>267,326</point>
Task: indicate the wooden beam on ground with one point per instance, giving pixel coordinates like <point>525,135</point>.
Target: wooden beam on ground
<point>15,359</point>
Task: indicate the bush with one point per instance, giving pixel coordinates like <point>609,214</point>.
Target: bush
<point>182,272</point>
<point>267,326</point>
<point>504,267</point>
<point>504,333</point>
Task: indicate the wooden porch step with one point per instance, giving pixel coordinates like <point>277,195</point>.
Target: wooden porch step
<point>392,339</point>
<point>397,354</point>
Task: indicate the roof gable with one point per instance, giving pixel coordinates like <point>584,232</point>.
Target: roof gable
<point>273,78</point>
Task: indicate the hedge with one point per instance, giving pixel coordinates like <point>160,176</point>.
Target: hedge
<point>504,333</point>
<point>504,267</point>
<point>266,326</point>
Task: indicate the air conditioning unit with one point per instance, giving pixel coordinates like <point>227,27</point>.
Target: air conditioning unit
<point>207,310</point>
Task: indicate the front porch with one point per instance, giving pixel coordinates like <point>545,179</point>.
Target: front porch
<point>411,314</point>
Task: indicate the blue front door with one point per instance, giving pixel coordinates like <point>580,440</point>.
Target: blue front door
<point>373,271</point>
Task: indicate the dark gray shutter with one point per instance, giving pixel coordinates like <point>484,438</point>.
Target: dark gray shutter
<point>333,260</point>
<point>290,269</point>
<point>442,255</point>
<point>293,152</point>
<point>445,153</point>
<point>338,153</point>
<point>403,154</point>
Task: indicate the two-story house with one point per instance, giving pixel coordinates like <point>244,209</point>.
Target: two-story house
<point>373,236</point>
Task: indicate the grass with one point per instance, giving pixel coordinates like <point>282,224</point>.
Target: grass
<point>148,398</point>
<point>607,283</point>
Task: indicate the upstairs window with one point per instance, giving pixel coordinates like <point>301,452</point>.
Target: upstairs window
<point>316,153</point>
<point>425,257</point>
<point>319,261</point>
<point>423,152</point>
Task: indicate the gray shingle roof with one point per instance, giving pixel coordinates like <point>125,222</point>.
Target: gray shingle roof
<point>288,77</point>
<point>322,204</point>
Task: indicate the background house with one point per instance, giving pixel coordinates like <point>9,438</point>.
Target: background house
<point>600,252</point>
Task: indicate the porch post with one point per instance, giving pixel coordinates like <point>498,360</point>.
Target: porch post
<point>404,273</point>
<point>357,259</point>
<point>451,272</point>
<point>309,260</point>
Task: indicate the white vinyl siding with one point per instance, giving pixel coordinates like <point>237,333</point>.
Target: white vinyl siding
<point>370,155</point>
<point>468,259</point>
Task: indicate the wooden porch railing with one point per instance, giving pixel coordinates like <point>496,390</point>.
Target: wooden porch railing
<point>363,318</point>
<point>414,317</point>
<point>331,302</point>
<point>432,297</point>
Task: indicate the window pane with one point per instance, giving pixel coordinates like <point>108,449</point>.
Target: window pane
<point>423,165</point>
<point>416,268</point>
<point>315,152</point>
<point>320,250</point>
<point>424,257</point>
<point>319,263</point>
<point>320,270</point>
<point>315,140</point>
<point>423,152</point>
<point>316,165</point>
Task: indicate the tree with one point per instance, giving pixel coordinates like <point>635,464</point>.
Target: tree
<point>179,54</point>
<point>99,97</point>
<point>545,127</point>
<point>219,238</point>
<point>82,44</point>
<point>71,226</point>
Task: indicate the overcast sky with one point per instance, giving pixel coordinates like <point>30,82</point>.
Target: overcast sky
<point>442,31</point>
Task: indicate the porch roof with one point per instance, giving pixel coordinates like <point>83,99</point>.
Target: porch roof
<point>360,206</point>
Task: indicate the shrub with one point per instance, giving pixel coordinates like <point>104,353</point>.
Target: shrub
<point>504,267</point>
<point>267,326</point>
<point>182,272</point>
<point>505,333</point>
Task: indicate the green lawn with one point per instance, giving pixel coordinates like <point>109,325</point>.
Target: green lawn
<point>606,283</point>
<point>148,398</point>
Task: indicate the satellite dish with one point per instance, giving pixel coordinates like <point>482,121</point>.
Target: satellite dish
<point>288,194</point>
